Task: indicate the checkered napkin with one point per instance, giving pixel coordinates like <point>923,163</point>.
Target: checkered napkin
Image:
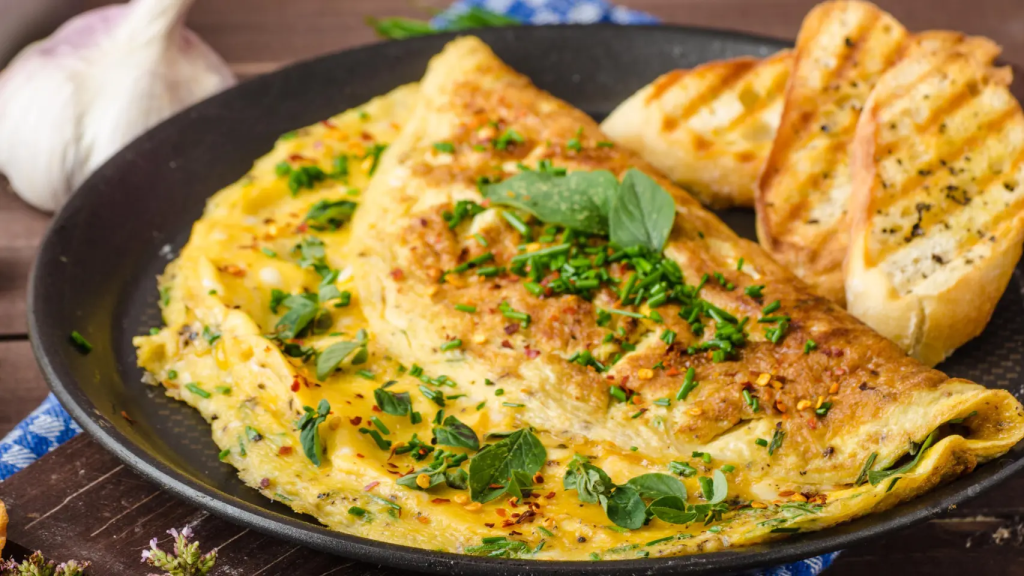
<point>50,425</point>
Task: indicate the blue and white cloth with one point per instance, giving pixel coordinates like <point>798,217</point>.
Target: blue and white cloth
<point>50,425</point>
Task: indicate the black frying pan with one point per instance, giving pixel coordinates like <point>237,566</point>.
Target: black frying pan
<point>97,266</point>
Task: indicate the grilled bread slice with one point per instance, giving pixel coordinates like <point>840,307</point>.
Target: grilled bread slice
<point>937,207</point>
<point>842,49</point>
<point>710,128</point>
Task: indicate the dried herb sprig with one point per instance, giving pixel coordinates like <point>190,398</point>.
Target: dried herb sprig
<point>186,559</point>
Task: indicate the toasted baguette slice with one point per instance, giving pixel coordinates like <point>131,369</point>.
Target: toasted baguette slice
<point>937,207</point>
<point>842,49</point>
<point>710,128</point>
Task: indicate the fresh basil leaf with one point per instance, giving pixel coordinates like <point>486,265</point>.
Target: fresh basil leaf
<point>625,508</point>
<point>579,201</point>
<point>494,465</point>
<point>671,509</point>
<point>641,214</point>
<point>720,487</point>
<point>302,308</point>
<point>454,433</point>
<point>653,486</point>
<point>276,298</point>
<point>456,478</point>
<point>589,481</point>
<point>876,476</point>
<point>329,358</point>
<point>309,427</point>
<point>327,215</point>
<point>394,403</point>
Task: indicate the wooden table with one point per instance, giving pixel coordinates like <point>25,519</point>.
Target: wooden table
<point>257,36</point>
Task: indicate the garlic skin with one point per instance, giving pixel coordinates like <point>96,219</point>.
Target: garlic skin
<point>72,100</point>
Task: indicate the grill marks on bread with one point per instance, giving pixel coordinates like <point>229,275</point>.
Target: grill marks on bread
<point>710,128</point>
<point>842,49</point>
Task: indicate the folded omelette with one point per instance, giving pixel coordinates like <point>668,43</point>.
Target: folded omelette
<point>458,318</point>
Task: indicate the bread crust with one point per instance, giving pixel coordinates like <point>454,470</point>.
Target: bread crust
<point>842,48</point>
<point>942,306</point>
<point>709,128</point>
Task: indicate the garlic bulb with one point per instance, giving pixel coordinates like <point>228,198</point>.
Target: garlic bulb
<point>70,101</point>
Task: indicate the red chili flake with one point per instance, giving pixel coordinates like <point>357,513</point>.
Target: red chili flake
<point>233,270</point>
<point>511,329</point>
<point>355,420</point>
<point>672,372</point>
<point>296,385</point>
<point>328,124</point>
<point>489,524</point>
<point>423,520</point>
<point>127,417</point>
<point>302,228</point>
<point>397,274</point>
<point>833,352</point>
<point>375,408</point>
<point>495,486</point>
<point>358,455</point>
<point>812,423</point>
<point>265,483</point>
<point>625,379</point>
<point>501,512</point>
<point>370,486</point>
<point>507,523</point>
<point>516,514</point>
<point>297,157</point>
<point>440,501</point>
<point>531,353</point>
<point>506,344</point>
<point>284,450</point>
<point>549,495</point>
<point>486,203</point>
<point>514,533</point>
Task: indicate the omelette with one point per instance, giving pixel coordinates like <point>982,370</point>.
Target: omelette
<point>459,318</point>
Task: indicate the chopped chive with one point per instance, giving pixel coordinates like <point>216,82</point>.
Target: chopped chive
<point>761,442</point>
<point>465,308</point>
<point>689,383</point>
<point>545,532</point>
<point>739,264</point>
<point>444,147</point>
<point>451,345</point>
<point>365,374</point>
<point>668,336</point>
<point>172,374</point>
<point>516,223</point>
<point>357,511</point>
<point>268,252</point>
<point>617,393</point>
<point>481,405</point>
<point>663,402</point>
<point>754,291</point>
<point>775,305</point>
<point>224,454</point>
<point>728,468</point>
<point>380,425</point>
<point>481,240</point>
<point>626,313</point>
<point>513,405</point>
<point>823,409</point>
<point>810,346</point>
<point>195,389</point>
<point>80,343</point>
<point>223,390</point>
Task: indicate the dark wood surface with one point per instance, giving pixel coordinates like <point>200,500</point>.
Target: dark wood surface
<point>60,504</point>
